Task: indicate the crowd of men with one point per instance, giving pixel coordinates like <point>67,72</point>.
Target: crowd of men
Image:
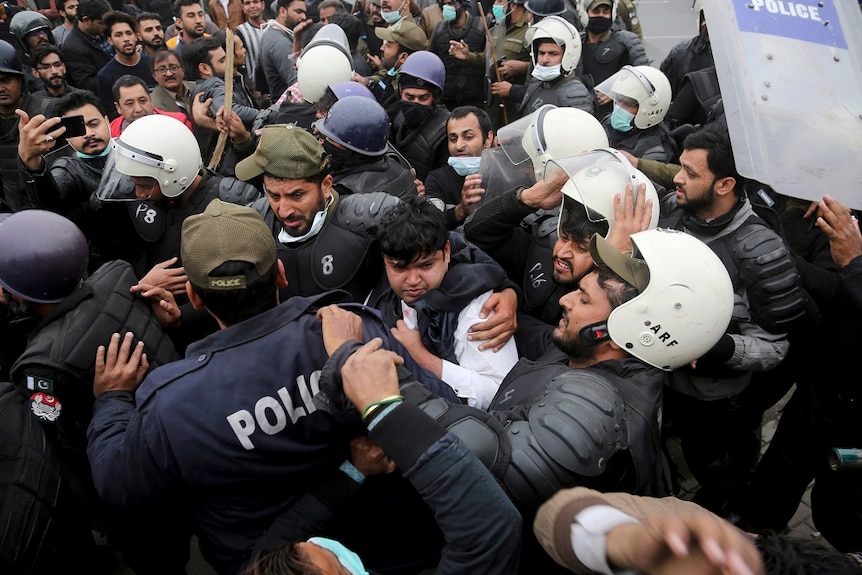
<point>405,286</point>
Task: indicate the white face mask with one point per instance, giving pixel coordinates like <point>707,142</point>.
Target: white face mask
<point>546,73</point>
<point>316,226</point>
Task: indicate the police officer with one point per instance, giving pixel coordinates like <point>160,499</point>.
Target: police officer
<point>513,57</point>
<point>155,166</point>
<point>418,118</point>
<point>712,407</point>
<point>235,421</point>
<point>518,225</point>
<point>355,134</point>
<point>459,41</point>
<point>689,55</point>
<point>30,29</point>
<point>641,96</point>
<point>14,97</point>
<point>605,50</point>
<point>73,315</point>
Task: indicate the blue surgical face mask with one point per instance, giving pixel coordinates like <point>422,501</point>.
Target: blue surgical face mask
<point>546,73</point>
<point>449,13</point>
<point>391,17</point>
<point>499,12</point>
<point>621,119</point>
<point>348,559</point>
<point>465,165</point>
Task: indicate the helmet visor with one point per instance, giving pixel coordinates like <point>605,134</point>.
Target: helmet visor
<point>523,139</point>
<point>114,185</point>
<point>579,197</point>
<point>499,176</point>
<point>627,87</point>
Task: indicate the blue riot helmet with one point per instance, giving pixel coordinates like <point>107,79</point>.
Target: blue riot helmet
<point>351,88</point>
<point>43,256</point>
<point>545,8</point>
<point>422,69</point>
<point>358,124</point>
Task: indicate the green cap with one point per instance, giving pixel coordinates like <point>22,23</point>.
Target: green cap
<point>404,33</point>
<point>634,272</point>
<point>596,3</point>
<point>284,151</point>
<point>226,232</point>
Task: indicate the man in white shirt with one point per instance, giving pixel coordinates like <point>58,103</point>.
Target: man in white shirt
<point>435,288</point>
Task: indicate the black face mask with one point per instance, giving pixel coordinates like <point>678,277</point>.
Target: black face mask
<point>15,310</point>
<point>599,24</point>
<point>337,156</point>
<point>414,113</point>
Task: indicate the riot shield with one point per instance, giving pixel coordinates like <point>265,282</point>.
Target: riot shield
<point>790,74</point>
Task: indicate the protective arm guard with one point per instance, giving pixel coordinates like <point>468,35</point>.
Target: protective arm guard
<point>571,432</point>
<point>361,212</point>
<point>775,294</point>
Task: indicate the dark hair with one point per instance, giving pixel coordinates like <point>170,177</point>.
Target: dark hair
<point>284,4</point>
<point>793,555</point>
<point>481,115</point>
<point>308,33</point>
<point>126,81</point>
<point>148,16</point>
<point>578,225</point>
<point>60,5</point>
<point>180,4</point>
<point>618,290</point>
<point>198,52</point>
<point>40,52</point>
<point>76,100</point>
<point>115,17</point>
<point>287,559</point>
<point>234,306</point>
<point>715,139</point>
<point>163,54</point>
<point>326,101</point>
<point>350,24</point>
<point>93,9</point>
<point>411,229</point>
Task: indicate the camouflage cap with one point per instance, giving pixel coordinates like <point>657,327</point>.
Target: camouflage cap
<point>226,232</point>
<point>284,151</point>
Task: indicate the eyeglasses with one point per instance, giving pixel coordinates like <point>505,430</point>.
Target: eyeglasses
<point>46,67</point>
<point>162,70</point>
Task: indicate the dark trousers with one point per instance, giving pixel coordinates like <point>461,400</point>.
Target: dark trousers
<point>816,419</point>
<point>720,442</point>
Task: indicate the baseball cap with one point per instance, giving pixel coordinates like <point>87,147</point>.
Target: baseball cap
<point>404,33</point>
<point>635,272</point>
<point>596,3</point>
<point>226,232</point>
<point>284,151</point>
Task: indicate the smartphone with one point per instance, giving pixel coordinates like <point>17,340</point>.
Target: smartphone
<point>74,126</point>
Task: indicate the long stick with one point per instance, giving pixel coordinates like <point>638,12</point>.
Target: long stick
<point>490,44</point>
<point>228,99</point>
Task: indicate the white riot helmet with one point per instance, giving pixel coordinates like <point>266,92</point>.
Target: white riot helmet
<point>324,62</point>
<point>159,147</point>
<point>685,301</point>
<point>557,30</point>
<point>644,86</point>
<point>594,179</point>
<point>549,133</point>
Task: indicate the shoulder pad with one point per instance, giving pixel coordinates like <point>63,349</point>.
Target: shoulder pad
<point>237,191</point>
<point>546,226</point>
<point>771,279</point>
<point>362,212</point>
<point>579,421</point>
<point>571,432</point>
